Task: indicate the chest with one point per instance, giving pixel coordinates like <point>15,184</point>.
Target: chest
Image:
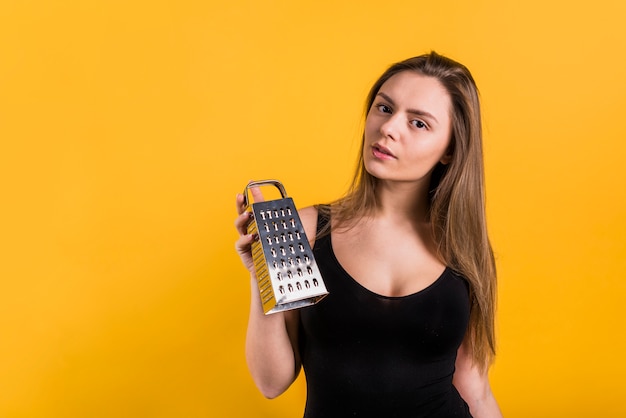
<point>424,325</point>
<point>387,261</point>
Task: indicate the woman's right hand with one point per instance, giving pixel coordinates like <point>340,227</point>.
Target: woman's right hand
<point>271,340</point>
<point>244,244</point>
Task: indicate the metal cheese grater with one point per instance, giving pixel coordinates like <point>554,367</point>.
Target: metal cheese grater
<point>286,271</point>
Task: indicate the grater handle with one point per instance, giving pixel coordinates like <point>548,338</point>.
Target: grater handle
<point>275,183</point>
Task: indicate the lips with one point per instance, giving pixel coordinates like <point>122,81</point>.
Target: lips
<point>380,151</point>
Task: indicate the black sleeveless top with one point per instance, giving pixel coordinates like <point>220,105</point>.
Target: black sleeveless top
<point>368,355</point>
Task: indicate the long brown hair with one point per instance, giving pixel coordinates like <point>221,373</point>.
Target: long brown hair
<point>457,197</point>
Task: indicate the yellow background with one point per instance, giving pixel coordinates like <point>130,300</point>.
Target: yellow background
<point>127,128</point>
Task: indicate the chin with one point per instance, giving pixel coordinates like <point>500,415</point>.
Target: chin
<point>377,169</point>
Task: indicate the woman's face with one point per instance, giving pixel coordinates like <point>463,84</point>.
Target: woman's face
<point>407,129</point>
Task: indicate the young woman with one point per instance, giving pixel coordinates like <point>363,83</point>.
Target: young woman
<point>408,327</point>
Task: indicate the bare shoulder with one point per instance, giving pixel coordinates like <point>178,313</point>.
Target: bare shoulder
<point>308,217</point>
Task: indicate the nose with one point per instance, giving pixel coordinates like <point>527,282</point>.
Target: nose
<point>391,128</point>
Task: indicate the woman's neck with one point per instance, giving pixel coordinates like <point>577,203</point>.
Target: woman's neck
<point>403,200</point>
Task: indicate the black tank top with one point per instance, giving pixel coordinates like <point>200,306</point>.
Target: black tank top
<point>368,355</point>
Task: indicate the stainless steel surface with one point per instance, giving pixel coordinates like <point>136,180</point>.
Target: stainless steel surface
<point>287,274</point>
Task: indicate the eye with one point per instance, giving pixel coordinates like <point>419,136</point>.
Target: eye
<point>419,124</point>
<point>383,108</point>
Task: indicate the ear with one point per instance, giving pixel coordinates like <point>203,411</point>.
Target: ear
<point>446,159</point>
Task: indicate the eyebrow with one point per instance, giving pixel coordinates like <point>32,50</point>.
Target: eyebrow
<point>413,111</point>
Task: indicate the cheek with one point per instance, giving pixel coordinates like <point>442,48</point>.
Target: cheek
<point>430,152</point>
<point>441,144</point>
<point>369,128</point>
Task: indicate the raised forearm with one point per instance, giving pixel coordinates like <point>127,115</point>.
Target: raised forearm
<point>270,352</point>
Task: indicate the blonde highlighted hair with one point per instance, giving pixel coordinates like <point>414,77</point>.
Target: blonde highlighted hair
<point>457,197</point>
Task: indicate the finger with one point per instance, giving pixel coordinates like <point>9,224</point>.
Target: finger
<point>241,222</point>
<point>257,194</point>
<point>239,201</point>
<point>244,242</point>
